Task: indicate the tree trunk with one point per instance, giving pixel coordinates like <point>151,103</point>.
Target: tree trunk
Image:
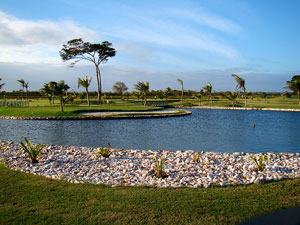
<point>245,97</point>
<point>299,97</point>
<point>87,96</point>
<point>61,104</point>
<point>200,101</point>
<point>210,99</point>
<point>98,82</point>
<point>145,100</point>
<point>182,95</point>
<point>100,85</point>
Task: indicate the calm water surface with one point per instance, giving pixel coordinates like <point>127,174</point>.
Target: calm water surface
<point>204,130</point>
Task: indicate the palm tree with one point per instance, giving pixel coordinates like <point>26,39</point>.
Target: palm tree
<point>143,88</point>
<point>208,89</point>
<point>85,83</point>
<point>181,82</point>
<point>294,85</point>
<point>200,95</point>
<point>1,85</point>
<point>60,90</point>
<point>120,88</point>
<point>231,96</point>
<point>167,92</point>
<point>240,85</point>
<point>48,89</point>
<point>24,85</point>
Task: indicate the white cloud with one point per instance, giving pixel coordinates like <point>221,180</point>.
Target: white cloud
<point>166,32</point>
<point>37,41</point>
<point>203,17</point>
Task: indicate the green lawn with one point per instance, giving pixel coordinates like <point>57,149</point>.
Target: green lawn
<point>30,199</point>
<point>68,110</point>
<point>42,107</point>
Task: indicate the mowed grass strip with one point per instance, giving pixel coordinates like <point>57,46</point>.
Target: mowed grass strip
<point>26,198</point>
<point>48,111</point>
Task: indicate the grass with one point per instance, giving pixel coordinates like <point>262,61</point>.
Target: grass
<point>42,107</point>
<point>47,111</point>
<point>26,198</point>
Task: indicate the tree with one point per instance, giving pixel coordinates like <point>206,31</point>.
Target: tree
<point>48,89</point>
<point>85,83</point>
<point>96,53</point>
<point>1,85</point>
<point>167,92</point>
<point>181,82</point>
<point>231,96</point>
<point>200,95</point>
<point>25,85</point>
<point>294,85</point>
<point>240,85</point>
<point>143,88</point>
<point>60,90</point>
<point>120,88</point>
<point>208,89</point>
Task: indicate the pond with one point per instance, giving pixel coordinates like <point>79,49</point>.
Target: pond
<point>204,130</point>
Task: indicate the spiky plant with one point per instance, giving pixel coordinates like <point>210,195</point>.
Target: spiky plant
<point>196,157</point>
<point>260,164</point>
<point>32,151</point>
<point>159,172</point>
<point>105,152</point>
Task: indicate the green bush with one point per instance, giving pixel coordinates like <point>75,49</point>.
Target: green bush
<point>32,151</point>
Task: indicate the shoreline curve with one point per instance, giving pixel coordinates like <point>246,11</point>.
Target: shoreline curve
<point>101,117</point>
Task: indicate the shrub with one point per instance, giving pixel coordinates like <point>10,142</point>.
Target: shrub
<point>260,164</point>
<point>159,168</point>
<point>196,157</point>
<point>105,152</point>
<point>32,151</point>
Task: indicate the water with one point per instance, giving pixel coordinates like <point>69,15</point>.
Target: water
<point>204,130</point>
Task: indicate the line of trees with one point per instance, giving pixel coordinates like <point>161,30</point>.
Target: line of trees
<point>77,50</point>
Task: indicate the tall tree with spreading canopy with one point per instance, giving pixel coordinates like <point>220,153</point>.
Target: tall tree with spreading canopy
<point>120,88</point>
<point>78,50</point>
<point>181,83</point>
<point>208,89</point>
<point>1,85</point>
<point>85,83</point>
<point>294,85</point>
<point>240,85</point>
<point>24,85</point>
<point>143,88</point>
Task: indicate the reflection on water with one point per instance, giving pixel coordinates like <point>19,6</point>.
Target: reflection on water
<point>204,130</point>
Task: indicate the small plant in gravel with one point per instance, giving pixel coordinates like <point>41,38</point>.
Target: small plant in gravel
<point>260,164</point>
<point>159,168</point>
<point>33,151</point>
<point>4,147</point>
<point>105,152</point>
<point>196,157</point>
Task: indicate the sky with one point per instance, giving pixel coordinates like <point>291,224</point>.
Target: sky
<point>197,41</point>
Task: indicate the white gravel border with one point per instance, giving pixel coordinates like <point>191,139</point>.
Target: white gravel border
<point>136,167</point>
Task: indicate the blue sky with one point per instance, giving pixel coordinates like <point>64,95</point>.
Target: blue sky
<point>198,41</point>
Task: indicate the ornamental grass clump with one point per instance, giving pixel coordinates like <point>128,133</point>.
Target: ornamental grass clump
<point>260,164</point>
<point>105,152</point>
<point>3,147</point>
<point>32,151</point>
<point>159,168</point>
<point>196,157</point>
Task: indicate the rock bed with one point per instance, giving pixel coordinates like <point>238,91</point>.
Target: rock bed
<point>136,167</point>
